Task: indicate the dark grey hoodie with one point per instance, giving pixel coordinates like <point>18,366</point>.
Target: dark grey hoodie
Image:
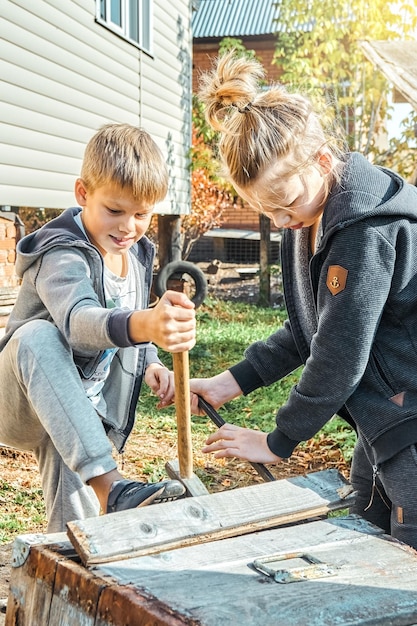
<point>360,359</point>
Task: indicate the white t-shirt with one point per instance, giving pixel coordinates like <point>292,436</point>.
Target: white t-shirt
<point>120,291</point>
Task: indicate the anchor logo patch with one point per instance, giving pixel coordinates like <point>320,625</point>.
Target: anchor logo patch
<point>336,279</point>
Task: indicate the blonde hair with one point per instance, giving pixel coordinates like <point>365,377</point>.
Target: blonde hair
<point>259,125</point>
<point>126,156</point>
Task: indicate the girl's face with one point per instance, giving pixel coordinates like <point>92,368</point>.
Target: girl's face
<point>290,200</point>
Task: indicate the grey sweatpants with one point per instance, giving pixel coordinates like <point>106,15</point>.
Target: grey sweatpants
<point>387,494</point>
<point>44,408</point>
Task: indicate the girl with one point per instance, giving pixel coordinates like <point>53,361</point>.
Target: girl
<point>349,266</point>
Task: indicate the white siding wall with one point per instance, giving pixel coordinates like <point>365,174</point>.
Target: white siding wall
<point>62,76</point>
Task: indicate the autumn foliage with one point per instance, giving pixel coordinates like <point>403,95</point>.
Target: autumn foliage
<point>209,198</point>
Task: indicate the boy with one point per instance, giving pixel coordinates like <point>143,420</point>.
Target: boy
<point>78,342</point>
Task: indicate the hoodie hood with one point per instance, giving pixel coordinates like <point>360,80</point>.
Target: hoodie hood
<point>368,191</point>
<point>63,230</point>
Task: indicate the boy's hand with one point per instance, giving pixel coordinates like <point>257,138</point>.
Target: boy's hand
<point>170,324</point>
<point>161,380</point>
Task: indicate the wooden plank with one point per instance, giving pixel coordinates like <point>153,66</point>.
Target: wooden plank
<point>75,596</point>
<point>375,581</point>
<point>126,606</point>
<point>171,525</point>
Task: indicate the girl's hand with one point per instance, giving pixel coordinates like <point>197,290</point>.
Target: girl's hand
<point>161,380</point>
<point>216,391</point>
<point>244,443</point>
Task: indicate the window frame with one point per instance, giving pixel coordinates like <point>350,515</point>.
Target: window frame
<point>145,26</point>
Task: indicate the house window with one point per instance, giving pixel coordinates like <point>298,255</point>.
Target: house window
<point>131,19</point>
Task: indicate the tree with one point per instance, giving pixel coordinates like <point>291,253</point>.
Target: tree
<point>208,190</point>
<point>319,53</point>
<point>209,196</point>
<point>34,218</point>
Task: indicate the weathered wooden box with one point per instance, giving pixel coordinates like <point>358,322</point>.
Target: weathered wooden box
<point>191,562</point>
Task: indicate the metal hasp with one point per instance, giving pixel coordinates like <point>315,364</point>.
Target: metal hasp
<point>297,567</point>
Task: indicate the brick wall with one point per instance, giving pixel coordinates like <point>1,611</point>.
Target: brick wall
<point>205,52</point>
<point>242,217</point>
<point>11,230</point>
<point>10,233</point>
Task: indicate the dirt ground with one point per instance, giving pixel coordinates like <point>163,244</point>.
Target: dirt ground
<point>227,281</point>
<point>20,468</point>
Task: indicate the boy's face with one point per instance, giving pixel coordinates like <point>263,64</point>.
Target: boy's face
<point>113,219</point>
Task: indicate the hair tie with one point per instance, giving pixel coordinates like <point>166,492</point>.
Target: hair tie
<point>245,109</point>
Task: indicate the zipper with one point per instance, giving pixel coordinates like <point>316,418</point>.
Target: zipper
<point>375,472</point>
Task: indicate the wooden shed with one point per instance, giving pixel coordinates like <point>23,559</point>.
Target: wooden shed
<point>257,556</point>
<point>397,60</point>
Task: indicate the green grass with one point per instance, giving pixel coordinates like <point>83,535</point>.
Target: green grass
<point>224,330</point>
<point>23,511</point>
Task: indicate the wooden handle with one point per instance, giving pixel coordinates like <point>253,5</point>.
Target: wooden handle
<point>182,405</point>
